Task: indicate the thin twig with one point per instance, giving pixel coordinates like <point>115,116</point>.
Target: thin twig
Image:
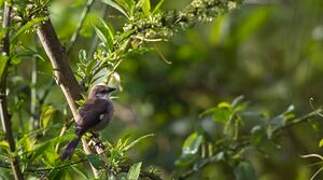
<point>76,33</point>
<point>5,116</point>
<point>298,121</point>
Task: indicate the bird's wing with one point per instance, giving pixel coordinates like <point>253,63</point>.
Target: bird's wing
<point>91,112</point>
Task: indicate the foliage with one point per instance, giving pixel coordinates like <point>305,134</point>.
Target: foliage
<point>243,52</point>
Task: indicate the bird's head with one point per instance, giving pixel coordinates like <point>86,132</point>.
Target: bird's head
<point>101,91</point>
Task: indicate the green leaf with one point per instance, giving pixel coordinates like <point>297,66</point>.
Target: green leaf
<point>221,115</point>
<point>26,27</point>
<point>105,33</point>
<point>101,35</point>
<point>157,7</point>
<point>145,6</point>
<point>47,115</point>
<point>134,171</point>
<point>95,161</point>
<point>192,144</point>
<point>133,143</point>
<point>245,171</point>
<point>116,6</point>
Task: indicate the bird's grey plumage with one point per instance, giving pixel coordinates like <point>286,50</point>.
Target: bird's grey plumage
<point>96,114</point>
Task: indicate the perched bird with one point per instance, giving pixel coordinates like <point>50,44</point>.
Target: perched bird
<point>95,114</point>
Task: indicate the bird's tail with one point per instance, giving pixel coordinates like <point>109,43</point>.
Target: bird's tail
<point>70,148</point>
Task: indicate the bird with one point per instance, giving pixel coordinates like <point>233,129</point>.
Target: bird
<point>96,113</point>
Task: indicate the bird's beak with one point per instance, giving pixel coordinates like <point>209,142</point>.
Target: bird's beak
<point>111,89</point>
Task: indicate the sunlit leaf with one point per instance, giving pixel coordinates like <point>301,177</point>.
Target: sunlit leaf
<point>134,171</point>
<point>221,115</point>
<point>47,115</point>
<point>4,145</point>
<point>192,143</point>
<point>321,143</point>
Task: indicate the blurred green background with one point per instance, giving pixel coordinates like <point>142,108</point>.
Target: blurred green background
<point>270,51</point>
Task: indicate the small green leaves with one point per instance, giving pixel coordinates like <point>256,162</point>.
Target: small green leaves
<point>134,171</point>
<point>117,151</point>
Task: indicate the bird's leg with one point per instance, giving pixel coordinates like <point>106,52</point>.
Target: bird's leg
<point>95,140</point>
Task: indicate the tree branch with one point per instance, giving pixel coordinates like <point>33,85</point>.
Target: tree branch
<point>5,116</point>
<point>63,72</point>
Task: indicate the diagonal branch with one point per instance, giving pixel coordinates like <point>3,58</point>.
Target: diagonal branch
<point>63,73</point>
<point>5,116</point>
